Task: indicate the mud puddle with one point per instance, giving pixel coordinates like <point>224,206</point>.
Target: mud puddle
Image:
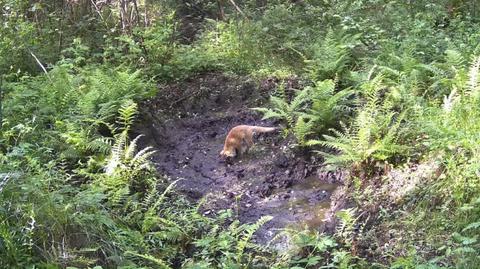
<point>187,124</point>
<point>310,201</point>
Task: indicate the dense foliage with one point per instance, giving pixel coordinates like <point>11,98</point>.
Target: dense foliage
<point>392,85</point>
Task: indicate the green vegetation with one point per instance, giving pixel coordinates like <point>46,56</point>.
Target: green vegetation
<point>390,86</point>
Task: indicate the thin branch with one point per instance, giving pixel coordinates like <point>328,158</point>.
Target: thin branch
<point>122,15</point>
<point>97,9</point>
<point>146,14</point>
<point>41,65</point>
<point>142,40</point>
<point>237,8</point>
<point>221,12</point>
<point>135,6</point>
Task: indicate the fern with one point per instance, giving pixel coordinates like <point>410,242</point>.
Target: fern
<point>302,129</point>
<point>106,91</point>
<point>101,144</point>
<point>127,113</point>
<point>172,230</point>
<point>311,110</point>
<point>147,257</point>
<point>331,55</point>
<point>125,165</point>
<point>328,106</point>
<point>283,110</point>
<point>116,153</point>
<point>232,242</point>
<point>152,207</point>
<point>132,148</point>
<point>450,101</point>
<point>162,196</point>
<point>473,84</point>
<point>372,136</point>
<point>454,59</point>
<point>121,162</point>
<point>347,223</point>
<point>247,235</point>
<point>4,180</point>
<point>148,201</point>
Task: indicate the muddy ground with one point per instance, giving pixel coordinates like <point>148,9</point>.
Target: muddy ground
<point>187,123</point>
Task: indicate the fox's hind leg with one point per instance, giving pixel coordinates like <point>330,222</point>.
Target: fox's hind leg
<point>249,140</point>
<point>243,148</point>
<point>246,144</point>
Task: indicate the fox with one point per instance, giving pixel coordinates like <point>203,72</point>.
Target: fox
<point>240,139</point>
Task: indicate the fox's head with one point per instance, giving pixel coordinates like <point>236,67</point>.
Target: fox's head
<point>227,153</point>
<point>227,157</point>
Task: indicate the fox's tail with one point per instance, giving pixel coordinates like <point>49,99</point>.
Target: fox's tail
<point>260,129</point>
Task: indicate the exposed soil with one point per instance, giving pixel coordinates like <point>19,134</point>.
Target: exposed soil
<point>187,124</point>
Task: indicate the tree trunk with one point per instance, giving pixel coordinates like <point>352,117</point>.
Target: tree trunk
<point>221,9</point>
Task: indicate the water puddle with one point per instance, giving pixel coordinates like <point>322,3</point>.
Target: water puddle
<point>309,201</point>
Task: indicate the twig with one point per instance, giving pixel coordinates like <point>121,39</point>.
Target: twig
<point>221,13</point>
<point>40,64</point>
<point>185,98</point>
<point>97,9</point>
<point>179,100</point>
<point>237,8</point>
<point>142,40</point>
<point>146,15</point>
<point>135,6</point>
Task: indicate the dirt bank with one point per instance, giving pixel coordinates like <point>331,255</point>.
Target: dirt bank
<point>187,124</point>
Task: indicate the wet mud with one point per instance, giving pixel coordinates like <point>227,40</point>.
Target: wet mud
<point>187,123</point>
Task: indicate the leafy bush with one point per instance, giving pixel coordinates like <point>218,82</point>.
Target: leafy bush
<point>331,56</point>
<point>328,105</point>
<point>373,135</point>
<point>234,45</point>
<point>76,191</point>
<point>311,111</point>
<point>286,110</point>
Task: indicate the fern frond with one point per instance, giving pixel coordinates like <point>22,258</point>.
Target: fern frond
<point>101,145</point>
<point>247,235</point>
<point>450,101</point>
<point>473,76</point>
<point>454,58</point>
<point>301,97</point>
<point>159,262</point>
<point>373,133</point>
<point>269,114</point>
<point>132,147</point>
<point>106,111</point>
<point>278,103</point>
<point>314,142</point>
<point>165,192</point>
<point>302,129</point>
<point>127,113</point>
<point>116,154</point>
<point>141,158</point>
<point>172,226</point>
<point>150,197</point>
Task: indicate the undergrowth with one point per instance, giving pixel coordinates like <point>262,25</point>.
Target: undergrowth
<point>390,88</point>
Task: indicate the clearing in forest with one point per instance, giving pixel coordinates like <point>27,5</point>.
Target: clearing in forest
<point>187,124</point>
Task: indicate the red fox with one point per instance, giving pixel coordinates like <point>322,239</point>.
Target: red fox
<point>240,139</point>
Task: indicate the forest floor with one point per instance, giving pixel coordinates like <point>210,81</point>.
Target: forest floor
<point>187,123</point>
